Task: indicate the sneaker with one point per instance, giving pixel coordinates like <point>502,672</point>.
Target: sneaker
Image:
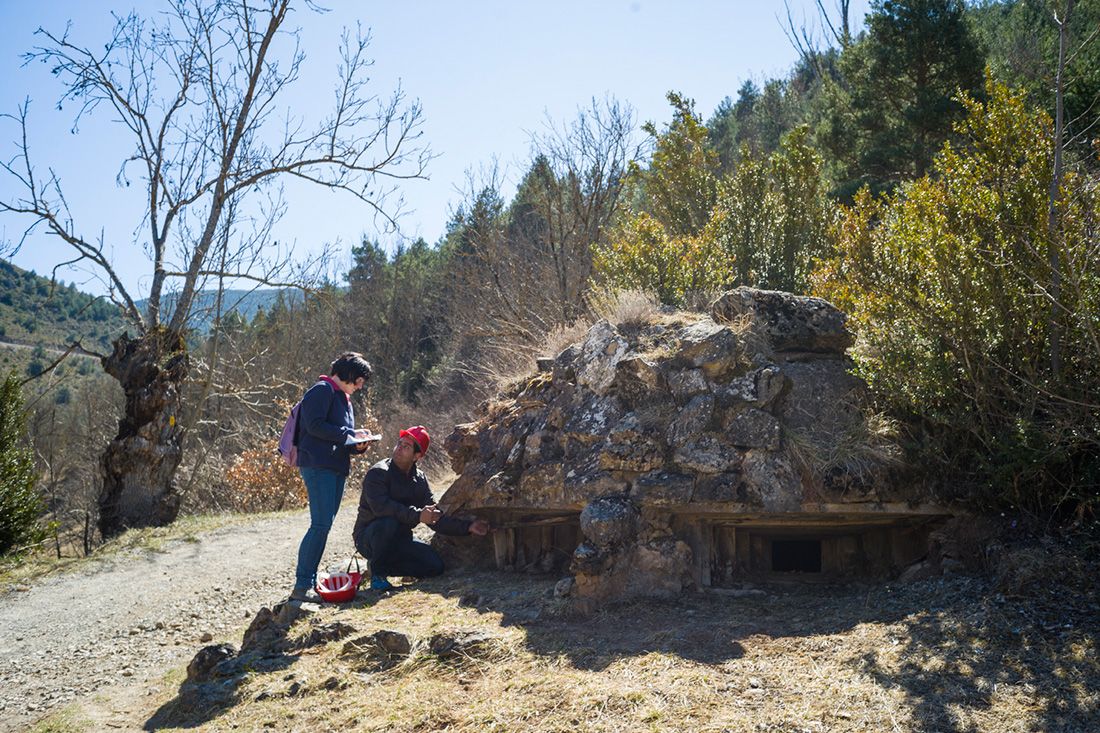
<point>377,582</point>
<point>305,595</point>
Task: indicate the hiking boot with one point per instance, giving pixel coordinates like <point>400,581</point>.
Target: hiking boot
<point>305,595</point>
<point>377,582</point>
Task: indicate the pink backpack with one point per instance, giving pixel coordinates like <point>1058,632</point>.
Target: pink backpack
<point>288,441</point>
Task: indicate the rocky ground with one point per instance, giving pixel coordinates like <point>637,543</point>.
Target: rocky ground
<point>123,621</point>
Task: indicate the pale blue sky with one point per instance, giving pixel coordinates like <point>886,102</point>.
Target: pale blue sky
<point>486,73</point>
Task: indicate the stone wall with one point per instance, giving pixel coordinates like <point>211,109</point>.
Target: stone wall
<point>651,436</point>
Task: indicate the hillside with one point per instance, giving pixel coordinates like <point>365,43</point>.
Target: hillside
<point>33,310</point>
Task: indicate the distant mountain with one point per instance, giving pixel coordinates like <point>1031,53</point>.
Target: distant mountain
<point>245,303</point>
<point>35,311</point>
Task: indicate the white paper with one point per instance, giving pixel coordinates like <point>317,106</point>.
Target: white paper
<point>371,438</point>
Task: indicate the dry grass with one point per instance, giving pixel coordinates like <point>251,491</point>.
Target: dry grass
<point>561,337</point>
<point>941,655</point>
<point>624,308</point>
<point>858,450</point>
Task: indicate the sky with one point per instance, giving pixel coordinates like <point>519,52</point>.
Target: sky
<point>487,73</point>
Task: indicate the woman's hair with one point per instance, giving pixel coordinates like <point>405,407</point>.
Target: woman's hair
<point>350,366</point>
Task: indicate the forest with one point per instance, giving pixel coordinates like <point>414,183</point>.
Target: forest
<point>934,174</point>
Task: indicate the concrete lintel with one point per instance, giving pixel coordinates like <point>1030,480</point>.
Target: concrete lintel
<point>876,513</point>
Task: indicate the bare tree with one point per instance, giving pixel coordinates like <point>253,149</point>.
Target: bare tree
<point>1055,193</point>
<point>835,30</point>
<point>530,262</point>
<point>201,92</point>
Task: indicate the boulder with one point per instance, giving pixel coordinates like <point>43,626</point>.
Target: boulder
<point>789,322</point>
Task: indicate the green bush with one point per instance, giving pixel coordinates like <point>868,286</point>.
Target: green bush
<point>949,287</point>
<point>20,505</point>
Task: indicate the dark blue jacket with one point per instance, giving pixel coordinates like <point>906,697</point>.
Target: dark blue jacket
<point>325,420</point>
<point>390,492</point>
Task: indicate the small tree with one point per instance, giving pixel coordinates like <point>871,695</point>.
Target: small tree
<point>20,505</point>
<point>199,90</point>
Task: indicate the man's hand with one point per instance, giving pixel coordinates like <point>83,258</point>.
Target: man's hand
<point>429,515</point>
<point>480,527</point>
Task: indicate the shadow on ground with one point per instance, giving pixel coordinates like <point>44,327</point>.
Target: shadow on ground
<point>948,644</point>
<point>961,641</point>
<point>218,671</point>
<point>973,644</point>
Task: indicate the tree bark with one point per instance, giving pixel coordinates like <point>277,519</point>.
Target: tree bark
<point>1054,327</point>
<point>139,464</point>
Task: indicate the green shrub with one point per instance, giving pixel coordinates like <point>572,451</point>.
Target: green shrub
<point>20,505</point>
<point>948,286</point>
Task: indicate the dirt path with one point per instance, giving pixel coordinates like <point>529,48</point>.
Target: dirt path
<point>125,620</point>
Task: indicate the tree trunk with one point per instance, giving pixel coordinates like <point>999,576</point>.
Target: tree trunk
<point>140,463</point>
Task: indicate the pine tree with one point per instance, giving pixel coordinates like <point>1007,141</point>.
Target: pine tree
<point>20,505</point>
<point>903,79</point>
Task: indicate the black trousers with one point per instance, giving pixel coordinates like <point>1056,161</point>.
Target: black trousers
<point>392,551</point>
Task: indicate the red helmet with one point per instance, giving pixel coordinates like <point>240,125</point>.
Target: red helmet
<point>419,434</point>
<point>337,587</point>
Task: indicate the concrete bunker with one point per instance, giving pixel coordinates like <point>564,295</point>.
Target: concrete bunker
<point>685,450</point>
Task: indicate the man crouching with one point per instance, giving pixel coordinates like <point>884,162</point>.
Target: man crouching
<point>395,499</point>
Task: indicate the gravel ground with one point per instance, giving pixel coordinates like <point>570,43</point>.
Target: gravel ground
<point>125,620</point>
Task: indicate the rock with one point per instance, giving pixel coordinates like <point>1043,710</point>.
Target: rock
<point>659,568</point>
<point>264,631</point>
<point>789,322</point>
<point>602,350</point>
<point>206,636</point>
<point>713,348</point>
<point>202,665</point>
<point>630,448</point>
<point>609,521</point>
<point>378,651</point>
<point>719,487</point>
<point>325,633</point>
<point>708,454</point>
<point>691,421</point>
<point>687,383</point>
<point>752,428</point>
<point>918,571</point>
<point>661,488</point>
<point>771,481</point>
<point>592,419</point>
<point>461,445</point>
<point>581,486</point>
<point>637,379</point>
<point>563,587</point>
<point>461,644</point>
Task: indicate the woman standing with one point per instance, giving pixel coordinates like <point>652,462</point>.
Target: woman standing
<point>325,422</point>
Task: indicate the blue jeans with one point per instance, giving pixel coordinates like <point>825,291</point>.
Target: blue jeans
<point>391,550</point>
<point>325,489</point>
